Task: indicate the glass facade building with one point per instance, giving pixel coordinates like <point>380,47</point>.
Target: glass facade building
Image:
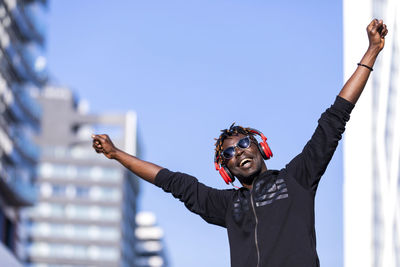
<point>85,214</point>
<point>22,72</point>
<point>372,142</point>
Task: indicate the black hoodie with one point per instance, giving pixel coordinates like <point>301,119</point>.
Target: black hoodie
<point>272,224</point>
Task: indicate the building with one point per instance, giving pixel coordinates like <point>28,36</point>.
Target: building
<point>86,209</point>
<point>372,142</point>
<point>150,247</point>
<point>22,71</point>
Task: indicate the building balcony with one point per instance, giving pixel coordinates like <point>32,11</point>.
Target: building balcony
<point>26,62</point>
<point>15,63</point>
<point>79,153</point>
<point>14,190</point>
<point>56,260</point>
<point>148,248</point>
<point>86,254</point>
<point>27,103</point>
<point>22,112</point>
<point>34,62</point>
<point>152,261</point>
<point>28,19</point>
<point>23,145</point>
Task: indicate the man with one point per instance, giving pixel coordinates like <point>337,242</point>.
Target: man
<point>270,220</point>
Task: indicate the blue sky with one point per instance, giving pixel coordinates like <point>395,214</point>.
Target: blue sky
<point>190,68</point>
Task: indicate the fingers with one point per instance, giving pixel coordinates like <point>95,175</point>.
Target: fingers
<point>97,146</point>
<point>371,25</point>
<point>377,26</point>
<point>98,150</point>
<point>100,137</point>
<point>384,31</point>
<point>98,141</point>
<point>103,144</point>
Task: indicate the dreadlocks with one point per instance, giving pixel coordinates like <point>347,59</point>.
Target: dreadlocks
<point>233,130</point>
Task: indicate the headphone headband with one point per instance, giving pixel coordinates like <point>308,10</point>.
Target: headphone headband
<point>259,133</point>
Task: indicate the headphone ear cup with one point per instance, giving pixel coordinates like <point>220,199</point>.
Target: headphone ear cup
<point>261,149</point>
<point>226,175</point>
<point>265,150</point>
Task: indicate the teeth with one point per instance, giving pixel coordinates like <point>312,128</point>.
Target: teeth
<point>244,162</point>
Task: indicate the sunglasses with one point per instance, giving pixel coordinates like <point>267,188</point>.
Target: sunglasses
<point>243,143</point>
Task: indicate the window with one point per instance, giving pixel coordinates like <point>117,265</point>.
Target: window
<point>82,192</point>
<point>58,190</point>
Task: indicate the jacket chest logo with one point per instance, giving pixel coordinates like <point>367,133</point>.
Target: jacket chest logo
<point>267,193</point>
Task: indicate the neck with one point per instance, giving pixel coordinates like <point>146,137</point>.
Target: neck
<point>248,186</point>
<point>249,181</point>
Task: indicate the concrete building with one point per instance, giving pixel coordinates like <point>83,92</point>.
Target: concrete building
<point>372,142</point>
<point>86,209</point>
<point>150,247</point>
<point>22,71</point>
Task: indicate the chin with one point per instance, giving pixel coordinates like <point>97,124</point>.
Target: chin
<point>248,178</point>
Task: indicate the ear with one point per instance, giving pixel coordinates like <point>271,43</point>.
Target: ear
<point>226,174</point>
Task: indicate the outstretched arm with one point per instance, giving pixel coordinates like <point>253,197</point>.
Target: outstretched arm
<point>146,170</point>
<point>355,85</point>
<point>211,204</point>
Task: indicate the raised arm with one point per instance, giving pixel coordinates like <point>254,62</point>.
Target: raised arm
<point>145,170</point>
<point>308,167</point>
<point>355,85</point>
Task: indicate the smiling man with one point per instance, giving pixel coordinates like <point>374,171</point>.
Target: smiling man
<point>270,220</point>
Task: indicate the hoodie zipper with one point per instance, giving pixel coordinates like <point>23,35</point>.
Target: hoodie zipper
<point>255,230</point>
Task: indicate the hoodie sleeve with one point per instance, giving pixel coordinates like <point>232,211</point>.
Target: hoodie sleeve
<point>308,167</point>
<point>210,203</point>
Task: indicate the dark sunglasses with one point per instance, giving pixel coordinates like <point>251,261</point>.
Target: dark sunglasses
<point>243,143</point>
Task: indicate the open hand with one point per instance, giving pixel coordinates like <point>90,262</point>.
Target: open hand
<point>376,34</point>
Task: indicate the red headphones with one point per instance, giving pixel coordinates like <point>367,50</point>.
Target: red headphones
<point>262,147</point>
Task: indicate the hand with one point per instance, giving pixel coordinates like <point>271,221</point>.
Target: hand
<point>376,34</point>
<point>103,144</point>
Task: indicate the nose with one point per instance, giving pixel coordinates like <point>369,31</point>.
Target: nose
<point>238,151</point>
